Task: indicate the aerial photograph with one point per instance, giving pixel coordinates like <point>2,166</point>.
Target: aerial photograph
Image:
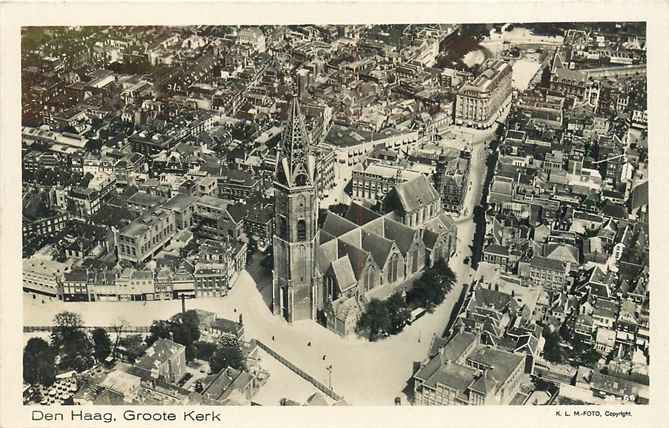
<point>335,215</point>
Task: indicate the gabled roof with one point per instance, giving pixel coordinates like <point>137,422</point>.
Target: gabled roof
<point>326,254</point>
<point>237,212</point>
<point>358,257</point>
<point>562,252</point>
<point>416,193</point>
<point>441,224</point>
<point>401,234</point>
<point>161,351</point>
<point>325,236</point>
<point>343,272</point>
<point>378,246</point>
<point>360,215</point>
<point>502,363</point>
<point>496,300</point>
<point>456,347</point>
<point>336,225</point>
<point>545,263</point>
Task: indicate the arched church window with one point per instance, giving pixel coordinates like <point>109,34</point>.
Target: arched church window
<point>370,278</point>
<point>283,228</point>
<point>301,230</point>
<point>301,180</point>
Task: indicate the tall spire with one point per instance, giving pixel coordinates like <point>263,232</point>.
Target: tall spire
<point>295,137</point>
<point>295,166</point>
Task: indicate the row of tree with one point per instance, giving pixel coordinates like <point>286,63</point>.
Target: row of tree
<point>384,316</point>
<point>184,328</point>
<point>70,348</point>
<point>431,289</point>
<point>393,314</point>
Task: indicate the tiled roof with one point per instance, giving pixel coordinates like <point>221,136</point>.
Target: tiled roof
<point>562,252</point>
<point>357,256</point>
<point>401,234</point>
<point>336,225</point>
<point>545,263</point>
<point>158,353</point>
<point>455,348</point>
<point>378,246</point>
<point>360,215</point>
<point>416,193</point>
<point>343,272</point>
<point>501,363</point>
<point>179,202</point>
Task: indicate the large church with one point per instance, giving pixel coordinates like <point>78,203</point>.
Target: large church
<point>329,273</point>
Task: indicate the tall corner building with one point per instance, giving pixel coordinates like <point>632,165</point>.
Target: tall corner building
<point>480,102</point>
<point>296,237</point>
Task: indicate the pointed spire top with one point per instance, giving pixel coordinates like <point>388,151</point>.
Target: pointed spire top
<point>293,163</point>
<point>295,137</point>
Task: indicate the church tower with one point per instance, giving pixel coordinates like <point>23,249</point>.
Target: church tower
<point>439,176</point>
<point>295,276</point>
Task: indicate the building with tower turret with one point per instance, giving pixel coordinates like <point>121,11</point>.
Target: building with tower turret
<point>329,274</point>
<point>451,179</point>
<point>295,279</point>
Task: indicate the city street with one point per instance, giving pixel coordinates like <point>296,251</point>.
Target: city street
<point>366,382</point>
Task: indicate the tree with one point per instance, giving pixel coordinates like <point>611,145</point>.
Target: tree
<point>101,343</point>
<point>134,346</point>
<point>399,313</point>
<point>375,318</point>
<point>590,358</point>
<point>67,324</point>
<point>160,329</point>
<point>228,354</point>
<point>39,362</point>
<point>445,275</point>
<point>431,288</point>
<point>71,342</point>
<point>552,350</point>
<point>191,321</point>
<point>204,350</point>
<point>184,328</point>
<point>186,331</point>
<point>77,352</point>
<point>117,327</point>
